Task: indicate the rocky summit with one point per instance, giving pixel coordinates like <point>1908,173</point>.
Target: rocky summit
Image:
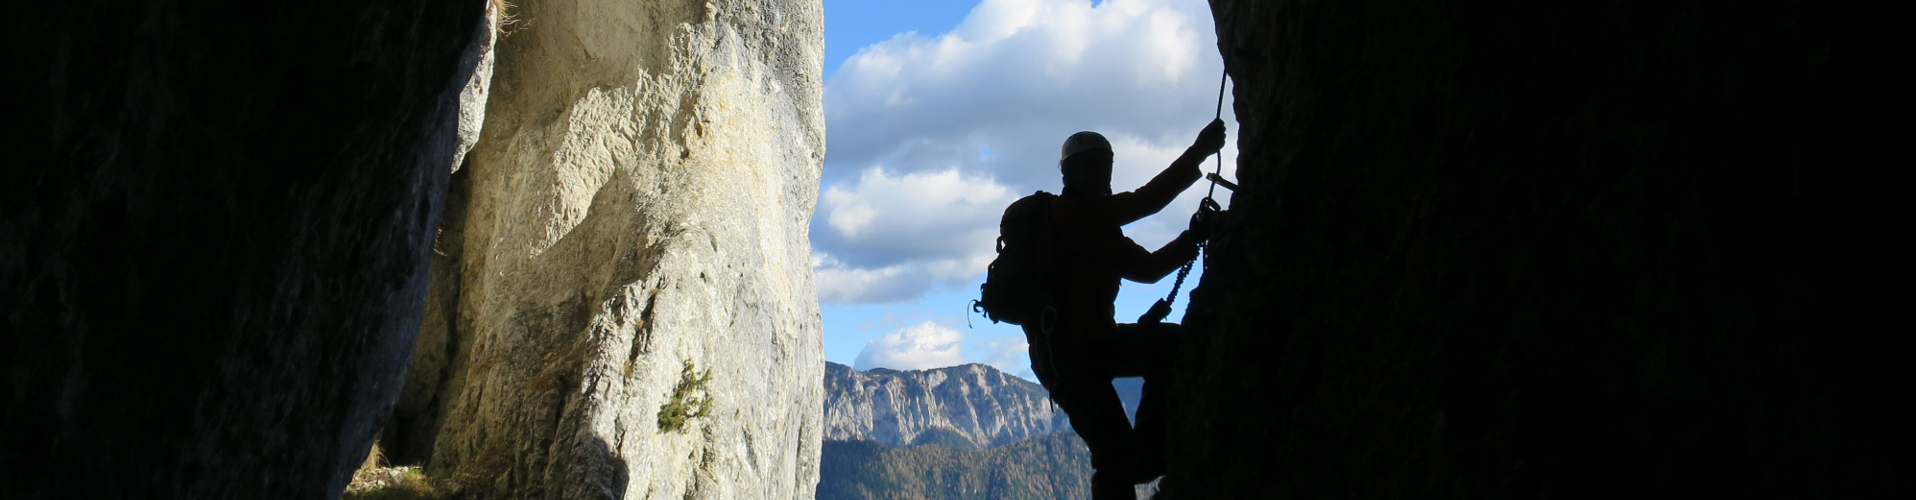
<point>974,405</point>
<point>967,431</point>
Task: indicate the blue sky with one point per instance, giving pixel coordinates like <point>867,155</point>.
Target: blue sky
<point>940,113</point>
<point>851,25</point>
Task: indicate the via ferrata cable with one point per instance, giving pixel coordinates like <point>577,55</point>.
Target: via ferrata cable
<point>1163,307</point>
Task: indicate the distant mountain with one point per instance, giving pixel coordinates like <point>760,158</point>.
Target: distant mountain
<point>1049,466</point>
<point>962,432</point>
<point>974,405</point>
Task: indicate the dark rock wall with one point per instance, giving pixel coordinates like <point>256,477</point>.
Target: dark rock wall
<point>214,227</point>
<point>1536,249</point>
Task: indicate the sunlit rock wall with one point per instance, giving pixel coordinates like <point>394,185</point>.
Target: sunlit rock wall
<point>215,219</point>
<point>1525,250</point>
<point>638,203</point>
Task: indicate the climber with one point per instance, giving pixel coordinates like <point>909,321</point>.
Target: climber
<point>1079,348</point>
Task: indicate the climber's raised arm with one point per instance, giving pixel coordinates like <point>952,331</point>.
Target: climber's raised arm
<point>1129,206</point>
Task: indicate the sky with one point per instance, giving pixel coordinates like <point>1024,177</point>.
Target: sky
<point>940,113</point>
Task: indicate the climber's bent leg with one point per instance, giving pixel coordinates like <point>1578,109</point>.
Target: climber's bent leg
<point>1148,350</point>
<point>1085,394</point>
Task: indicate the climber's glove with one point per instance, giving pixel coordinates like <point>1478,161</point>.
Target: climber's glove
<point>1202,220</point>
<point>1211,139</point>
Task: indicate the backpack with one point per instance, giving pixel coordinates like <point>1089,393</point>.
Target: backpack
<point>1017,283</point>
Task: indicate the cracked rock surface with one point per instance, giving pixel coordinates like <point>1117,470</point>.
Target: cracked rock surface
<point>638,202</point>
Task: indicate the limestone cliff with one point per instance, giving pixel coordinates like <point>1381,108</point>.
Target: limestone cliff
<point>1527,250</point>
<point>215,219</point>
<point>636,207</point>
<point>979,405</point>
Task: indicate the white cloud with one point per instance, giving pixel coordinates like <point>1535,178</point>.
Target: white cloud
<point>838,284</point>
<point>921,214</point>
<point>932,136</point>
<point>1009,354</point>
<point>899,236</point>
<point>1019,76</point>
<point>917,347</point>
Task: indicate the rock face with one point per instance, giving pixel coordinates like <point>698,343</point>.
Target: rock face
<point>1514,250</point>
<point>637,206</point>
<point>214,238</point>
<point>472,98</point>
<point>982,406</point>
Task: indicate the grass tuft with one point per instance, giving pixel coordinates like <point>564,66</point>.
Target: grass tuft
<point>405,483</point>
<point>375,481</point>
<point>686,403</point>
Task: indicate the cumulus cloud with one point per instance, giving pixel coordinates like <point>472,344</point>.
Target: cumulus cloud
<point>840,284</point>
<point>898,236</point>
<point>1009,354</point>
<point>917,347</point>
<point>1017,76</point>
<point>932,136</point>
<point>882,218</point>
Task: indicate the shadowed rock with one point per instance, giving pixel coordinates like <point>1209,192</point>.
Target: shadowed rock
<point>1521,250</point>
<point>213,251</point>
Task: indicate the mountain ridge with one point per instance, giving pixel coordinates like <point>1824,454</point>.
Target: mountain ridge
<point>982,405</point>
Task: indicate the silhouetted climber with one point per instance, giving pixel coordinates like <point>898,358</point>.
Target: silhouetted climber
<point>1071,253</point>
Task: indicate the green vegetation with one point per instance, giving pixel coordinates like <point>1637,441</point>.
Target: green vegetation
<point>686,403</point>
<point>939,436</point>
<point>1049,466</point>
<point>407,483</point>
<point>375,481</point>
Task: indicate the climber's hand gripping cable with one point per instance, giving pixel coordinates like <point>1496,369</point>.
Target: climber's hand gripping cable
<point>1212,139</point>
<point>1202,220</point>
